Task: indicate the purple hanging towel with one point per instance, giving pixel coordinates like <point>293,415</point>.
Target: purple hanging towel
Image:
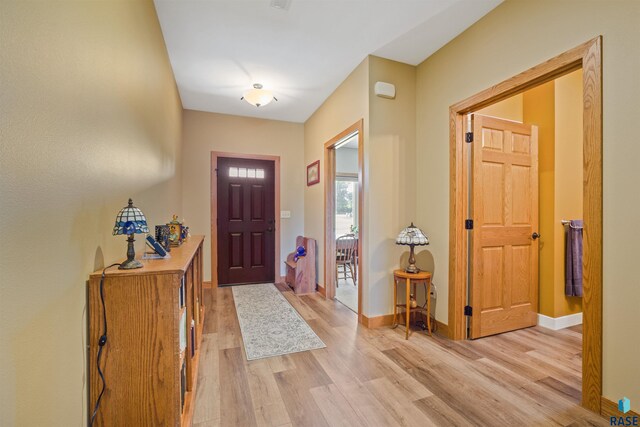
<point>573,262</point>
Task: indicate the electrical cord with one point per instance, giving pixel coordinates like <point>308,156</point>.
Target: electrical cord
<point>421,323</point>
<point>101,343</point>
<point>434,292</point>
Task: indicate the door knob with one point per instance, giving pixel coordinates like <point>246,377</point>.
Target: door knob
<point>535,236</point>
<point>270,229</point>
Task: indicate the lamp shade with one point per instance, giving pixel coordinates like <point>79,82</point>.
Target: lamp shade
<point>258,96</point>
<point>412,235</point>
<point>130,220</point>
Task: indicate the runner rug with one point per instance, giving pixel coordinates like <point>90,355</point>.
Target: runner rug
<point>270,326</point>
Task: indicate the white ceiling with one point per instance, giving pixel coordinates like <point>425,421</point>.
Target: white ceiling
<point>219,48</point>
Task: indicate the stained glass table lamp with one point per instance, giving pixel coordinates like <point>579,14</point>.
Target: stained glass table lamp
<point>412,236</point>
<point>130,221</point>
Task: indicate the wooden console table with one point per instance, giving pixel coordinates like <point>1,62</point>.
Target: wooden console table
<point>411,279</point>
<point>155,317</point>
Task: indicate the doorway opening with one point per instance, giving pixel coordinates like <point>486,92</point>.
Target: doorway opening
<point>346,221</point>
<point>343,217</point>
<point>542,202</point>
<point>587,58</point>
<point>245,201</point>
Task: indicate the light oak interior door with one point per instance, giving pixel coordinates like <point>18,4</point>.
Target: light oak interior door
<point>504,254</point>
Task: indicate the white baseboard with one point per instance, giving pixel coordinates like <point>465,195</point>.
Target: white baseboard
<point>557,323</point>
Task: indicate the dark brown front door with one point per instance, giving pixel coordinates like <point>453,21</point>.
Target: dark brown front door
<point>246,221</point>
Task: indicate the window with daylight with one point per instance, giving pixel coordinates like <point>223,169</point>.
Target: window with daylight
<point>246,173</point>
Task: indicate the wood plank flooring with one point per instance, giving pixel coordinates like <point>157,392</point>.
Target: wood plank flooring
<point>373,377</point>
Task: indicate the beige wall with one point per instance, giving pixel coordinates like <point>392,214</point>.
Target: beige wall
<point>514,37</point>
<point>348,104</point>
<point>391,185</point>
<point>389,153</point>
<point>90,116</point>
<point>207,132</point>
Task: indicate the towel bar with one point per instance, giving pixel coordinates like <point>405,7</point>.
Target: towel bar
<point>567,222</point>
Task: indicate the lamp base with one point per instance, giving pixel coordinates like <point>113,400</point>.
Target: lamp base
<point>130,264</point>
<point>412,269</point>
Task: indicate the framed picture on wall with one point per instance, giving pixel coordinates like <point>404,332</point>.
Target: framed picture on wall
<point>313,173</point>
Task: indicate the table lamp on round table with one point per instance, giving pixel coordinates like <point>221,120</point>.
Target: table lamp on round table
<point>130,221</point>
<point>412,236</point>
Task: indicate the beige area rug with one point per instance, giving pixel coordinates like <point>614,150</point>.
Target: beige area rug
<point>270,326</point>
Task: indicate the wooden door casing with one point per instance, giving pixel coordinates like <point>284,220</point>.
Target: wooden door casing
<point>504,256</point>
<point>245,222</point>
<point>588,57</point>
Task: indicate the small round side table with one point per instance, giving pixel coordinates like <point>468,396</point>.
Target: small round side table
<point>411,279</point>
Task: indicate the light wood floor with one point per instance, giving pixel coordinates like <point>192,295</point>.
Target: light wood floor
<point>347,294</point>
<point>374,377</point>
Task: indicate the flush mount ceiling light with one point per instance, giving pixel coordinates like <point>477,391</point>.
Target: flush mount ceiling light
<point>281,4</point>
<point>258,96</point>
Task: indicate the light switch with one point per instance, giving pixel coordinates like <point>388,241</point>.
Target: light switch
<point>285,214</point>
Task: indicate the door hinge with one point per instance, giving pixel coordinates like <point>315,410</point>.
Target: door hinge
<point>216,171</point>
<point>468,310</point>
<point>468,137</point>
<point>468,224</point>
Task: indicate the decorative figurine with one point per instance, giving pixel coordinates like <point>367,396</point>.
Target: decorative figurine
<point>175,231</point>
<point>300,252</point>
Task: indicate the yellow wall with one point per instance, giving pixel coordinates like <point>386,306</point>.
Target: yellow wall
<point>556,108</point>
<point>206,132</point>
<point>539,110</point>
<point>568,179</point>
<point>513,37</point>
<point>90,116</point>
<point>510,109</point>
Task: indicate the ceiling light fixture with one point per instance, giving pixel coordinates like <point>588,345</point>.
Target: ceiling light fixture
<point>281,4</point>
<point>258,96</point>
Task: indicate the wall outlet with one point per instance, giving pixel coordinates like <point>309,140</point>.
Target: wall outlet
<point>285,214</point>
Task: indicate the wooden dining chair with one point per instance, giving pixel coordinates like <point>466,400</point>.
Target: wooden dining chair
<point>345,256</point>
